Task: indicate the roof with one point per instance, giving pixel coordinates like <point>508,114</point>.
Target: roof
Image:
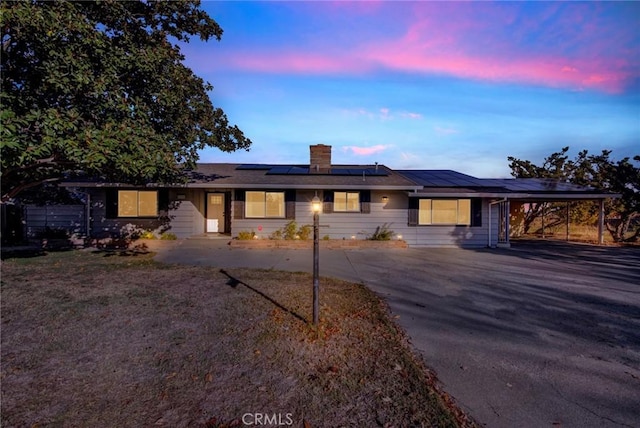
<point>298,177</point>
<point>442,183</point>
<point>420,183</point>
<point>271,176</point>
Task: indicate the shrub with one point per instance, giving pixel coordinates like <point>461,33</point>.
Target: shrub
<point>305,232</point>
<point>276,235</point>
<point>246,235</point>
<point>52,233</point>
<point>382,233</point>
<point>290,230</point>
<point>325,238</point>
<point>168,236</point>
<point>131,232</point>
<point>147,234</point>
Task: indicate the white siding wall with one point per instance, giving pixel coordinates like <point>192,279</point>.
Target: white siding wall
<point>454,236</point>
<point>187,215</point>
<point>394,213</point>
<point>187,219</point>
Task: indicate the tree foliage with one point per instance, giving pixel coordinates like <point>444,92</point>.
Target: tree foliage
<point>597,171</point>
<point>100,88</point>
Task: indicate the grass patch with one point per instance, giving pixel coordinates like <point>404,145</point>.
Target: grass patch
<point>91,340</point>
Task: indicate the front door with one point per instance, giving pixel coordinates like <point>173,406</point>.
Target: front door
<point>215,212</point>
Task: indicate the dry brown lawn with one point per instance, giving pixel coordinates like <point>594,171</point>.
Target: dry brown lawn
<point>106,340</point>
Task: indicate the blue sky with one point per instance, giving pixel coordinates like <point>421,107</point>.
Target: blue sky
<point>428,85</point>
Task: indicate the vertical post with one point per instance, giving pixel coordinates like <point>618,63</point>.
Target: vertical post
<point>544,206</point>
<point>568,203</point>
<point>490,206</point>
<point>316,264</point>
<point>601,223</point>
<point>507,225</point>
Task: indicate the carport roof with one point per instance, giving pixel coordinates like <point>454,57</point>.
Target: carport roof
<point>443,183</point>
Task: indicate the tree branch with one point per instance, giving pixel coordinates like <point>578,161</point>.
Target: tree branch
<point>16,190</point>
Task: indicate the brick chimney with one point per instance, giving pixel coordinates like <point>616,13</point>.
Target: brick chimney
<point>320,159</point>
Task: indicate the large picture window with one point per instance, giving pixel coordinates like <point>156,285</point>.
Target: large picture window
<point>346,201</point>
<point>444,211</point>
<point>137,203</point>
<point>264,205</point>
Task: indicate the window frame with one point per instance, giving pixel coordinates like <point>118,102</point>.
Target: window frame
<point>466,219</point>
<point>120,195</point>
<point>282,207</point>
<point>346,202</point>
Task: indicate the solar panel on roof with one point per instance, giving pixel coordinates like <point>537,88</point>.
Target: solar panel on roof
<point>288,170</point>
<point>442,178</point>
<point>296,170</point>
<point>359,172</point>
<point>254,167</point>
<point>282,169</point>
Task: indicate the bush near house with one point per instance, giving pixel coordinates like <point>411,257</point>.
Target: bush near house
<point>382,233</point>
<point>291,231</point>
<point>244,235</point>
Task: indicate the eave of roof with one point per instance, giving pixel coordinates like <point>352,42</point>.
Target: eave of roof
<point>520,196</point>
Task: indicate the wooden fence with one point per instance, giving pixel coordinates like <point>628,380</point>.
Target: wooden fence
<point>55,218</point>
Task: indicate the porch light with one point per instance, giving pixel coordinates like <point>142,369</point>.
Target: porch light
<point>316,206</point>
<point>385,199</point>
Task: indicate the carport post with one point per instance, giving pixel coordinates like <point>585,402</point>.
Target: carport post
<point>568,203</point>
<point>544,205</point>
<point>507,225</point>
<point>601,223</point>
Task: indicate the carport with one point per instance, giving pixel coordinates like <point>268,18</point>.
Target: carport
<point>534,190</point>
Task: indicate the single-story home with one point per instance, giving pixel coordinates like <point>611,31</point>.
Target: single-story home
<point>422,207</point>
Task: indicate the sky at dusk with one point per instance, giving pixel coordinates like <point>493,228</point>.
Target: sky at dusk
<point>426,85</point>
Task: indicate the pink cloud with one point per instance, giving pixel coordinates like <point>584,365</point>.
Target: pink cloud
<point>559,45</point>
<point>547,71</point>
<point>366,151</point>
<point>296,63</point>
<point>550,71</point>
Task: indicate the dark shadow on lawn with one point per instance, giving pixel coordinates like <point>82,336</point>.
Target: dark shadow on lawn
<point>127,251</point>
<point>234,282</point>
<point>21,252</point>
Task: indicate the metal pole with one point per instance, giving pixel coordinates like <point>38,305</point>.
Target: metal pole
<point>507,218</point>
<point>568,213</point>
<point>316,264</point>
<point>601,222</point>
<point>544,205</point>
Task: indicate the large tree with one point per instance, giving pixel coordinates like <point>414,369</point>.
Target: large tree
<point>597,171</point>
<point>100,89</point>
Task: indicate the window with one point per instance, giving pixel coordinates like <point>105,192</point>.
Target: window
<point>346,201</point>
<point>137,203</point>
<point>264,205</point>
<point>444,211</point>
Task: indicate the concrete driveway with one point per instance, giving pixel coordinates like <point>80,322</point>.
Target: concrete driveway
<point>542,334</point>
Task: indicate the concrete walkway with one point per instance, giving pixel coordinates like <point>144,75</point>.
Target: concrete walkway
<point>536,335</point>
